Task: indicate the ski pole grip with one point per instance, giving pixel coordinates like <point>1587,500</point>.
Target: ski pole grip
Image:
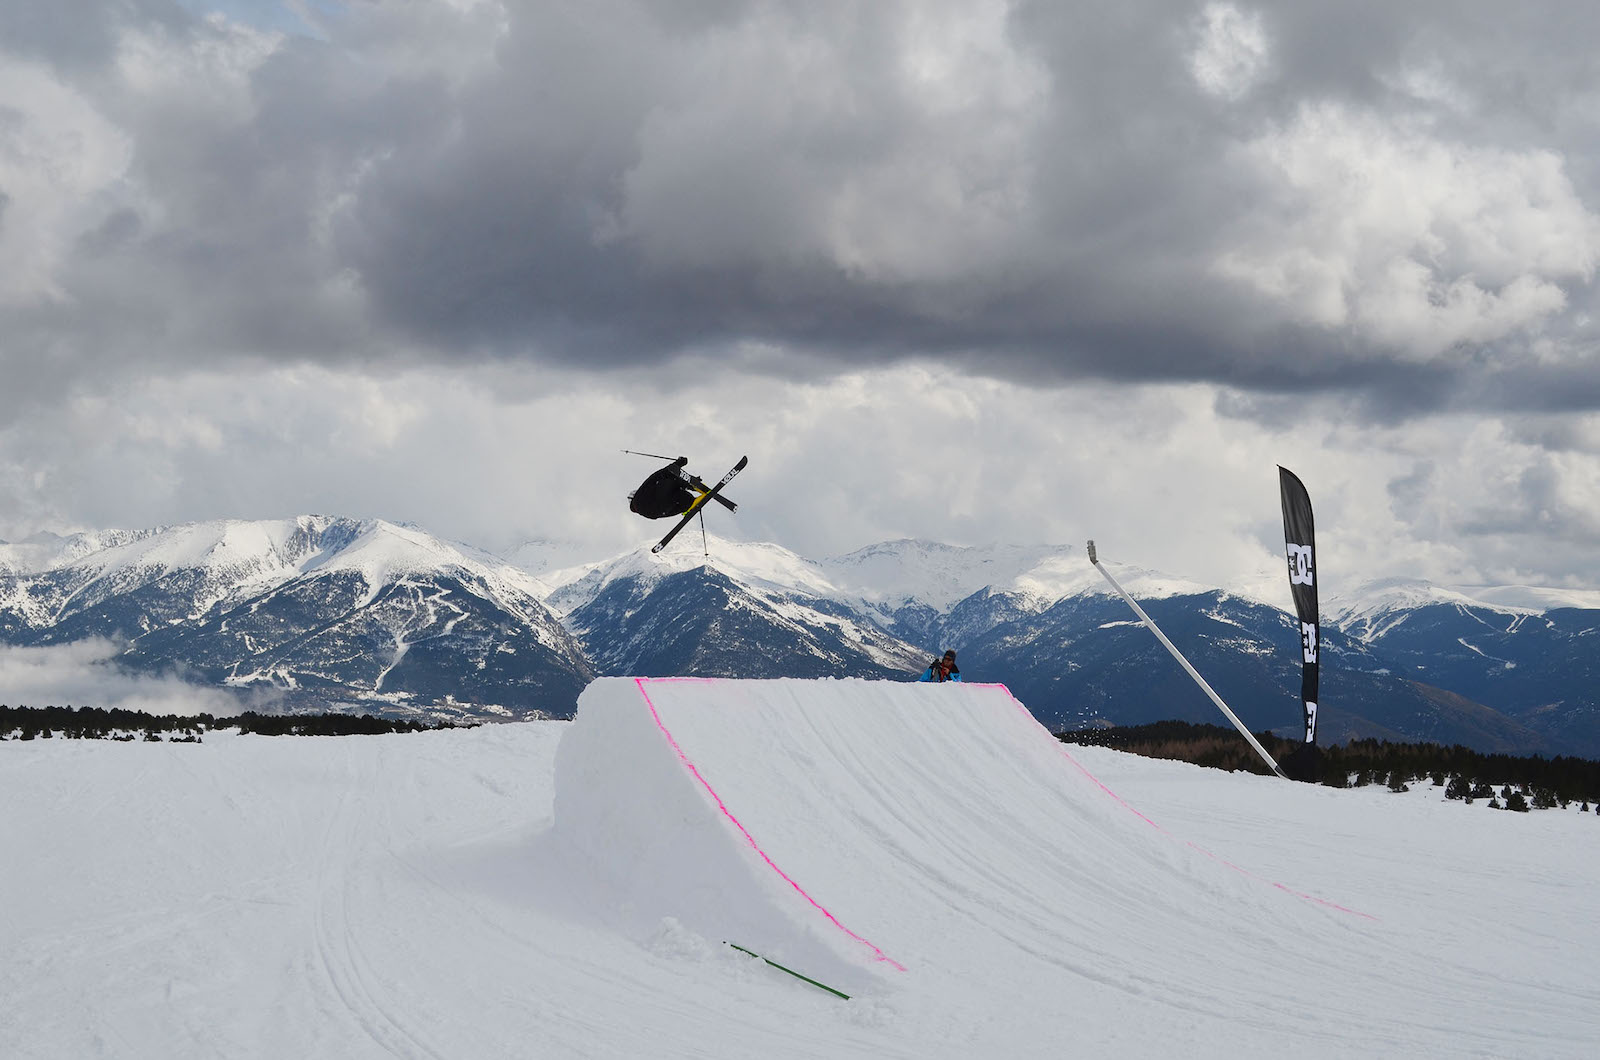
<point>1092,557</point>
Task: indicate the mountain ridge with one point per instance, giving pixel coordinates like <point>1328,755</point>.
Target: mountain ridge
<point>313,611</point>
<point>382,616</point>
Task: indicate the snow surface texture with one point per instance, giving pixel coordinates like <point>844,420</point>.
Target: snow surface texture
<point>563,889</point>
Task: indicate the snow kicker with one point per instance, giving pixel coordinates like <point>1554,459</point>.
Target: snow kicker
<point>863,832</point>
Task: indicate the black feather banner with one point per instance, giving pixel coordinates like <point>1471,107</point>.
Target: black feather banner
<point>1300,545</point>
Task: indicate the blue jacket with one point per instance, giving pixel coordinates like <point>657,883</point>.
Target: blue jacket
<point>932,673</point>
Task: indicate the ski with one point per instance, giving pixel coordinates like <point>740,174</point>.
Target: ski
<point>698,483</point>
<point>700,502</point>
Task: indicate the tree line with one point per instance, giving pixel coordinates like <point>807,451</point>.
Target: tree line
<point>116,723</point>
<point>1516,782</point>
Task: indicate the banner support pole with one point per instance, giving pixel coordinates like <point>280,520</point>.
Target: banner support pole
<point>1176,654</point>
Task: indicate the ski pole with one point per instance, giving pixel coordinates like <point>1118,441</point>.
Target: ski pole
<point>791,971</point>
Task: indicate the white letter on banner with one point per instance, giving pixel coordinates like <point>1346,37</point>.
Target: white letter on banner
<point>1308,640</point>
<point>1311,723</point>
<point>1301,570</point>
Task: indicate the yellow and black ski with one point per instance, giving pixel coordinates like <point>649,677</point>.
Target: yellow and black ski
<point>698,484</point>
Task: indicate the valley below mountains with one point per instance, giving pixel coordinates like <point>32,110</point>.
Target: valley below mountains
<point>321,613</point>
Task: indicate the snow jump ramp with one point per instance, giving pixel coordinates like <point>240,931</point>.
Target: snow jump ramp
<point>866,832</point>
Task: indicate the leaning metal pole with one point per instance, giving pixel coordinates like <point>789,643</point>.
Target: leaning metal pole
<point>1176,654</point>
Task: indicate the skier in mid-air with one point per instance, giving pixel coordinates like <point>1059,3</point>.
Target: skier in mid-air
<point>672,490</point>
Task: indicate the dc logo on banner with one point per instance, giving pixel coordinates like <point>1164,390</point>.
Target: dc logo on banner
<point>1311,722</point>
<point>1308,640</point>
<point>1301,570</point>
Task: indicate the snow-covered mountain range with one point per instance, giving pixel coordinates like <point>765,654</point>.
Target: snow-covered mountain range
<point>1532,653</point>
<point>314,612</point>
<point>302,613</point>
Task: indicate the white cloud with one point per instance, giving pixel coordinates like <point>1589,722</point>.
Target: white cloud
<point>1411,242</point>
<point>60,162</point>
<point>209,68</point>
<point>1232,54</point>
<point>84,674</point>
<point>1429,82</point>
<point>1177,477</point>
<point>916,167</point>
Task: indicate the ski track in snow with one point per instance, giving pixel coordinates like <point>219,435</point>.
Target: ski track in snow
<point>360,986</point>
<point>411,895</point>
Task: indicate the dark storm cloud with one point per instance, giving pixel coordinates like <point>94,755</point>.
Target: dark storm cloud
<point>626,187</point>
<point>1392,199</point>
<point>201,158</point>
<point>81,34</point>
<point>620,188</point>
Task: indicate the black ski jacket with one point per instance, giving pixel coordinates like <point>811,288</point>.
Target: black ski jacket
<point>663,494</point>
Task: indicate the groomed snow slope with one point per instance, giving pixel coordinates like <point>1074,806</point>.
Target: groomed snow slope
<point>562,890</point>
<point>909,842</point>
<point>873,834</point>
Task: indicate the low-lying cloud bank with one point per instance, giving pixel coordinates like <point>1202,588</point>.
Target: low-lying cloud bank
<point>86,674</point>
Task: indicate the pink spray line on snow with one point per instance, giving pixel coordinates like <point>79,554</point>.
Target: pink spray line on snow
<point>878,955</point>
<point>1177,839</point>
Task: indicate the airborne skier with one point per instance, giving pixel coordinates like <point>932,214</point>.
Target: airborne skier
<point>672,490</point>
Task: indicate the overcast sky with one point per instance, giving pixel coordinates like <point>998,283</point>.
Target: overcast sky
<point>969,271</point>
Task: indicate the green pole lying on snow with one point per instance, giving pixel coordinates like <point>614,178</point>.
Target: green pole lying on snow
<point>791,971</point>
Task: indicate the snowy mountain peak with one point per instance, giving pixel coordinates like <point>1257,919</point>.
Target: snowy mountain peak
<point>309,609</point>
<point>910,572</point>
<point>757,564</point>
<point>882,579</point>
<point>541,556</point>
<point>1379,606</point>
<point>1375,606</point>
<point>382,551</point>
<point>245,552</point>
<point>926,573</point>
<point>1534,598</point>
<point>45,551</point>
